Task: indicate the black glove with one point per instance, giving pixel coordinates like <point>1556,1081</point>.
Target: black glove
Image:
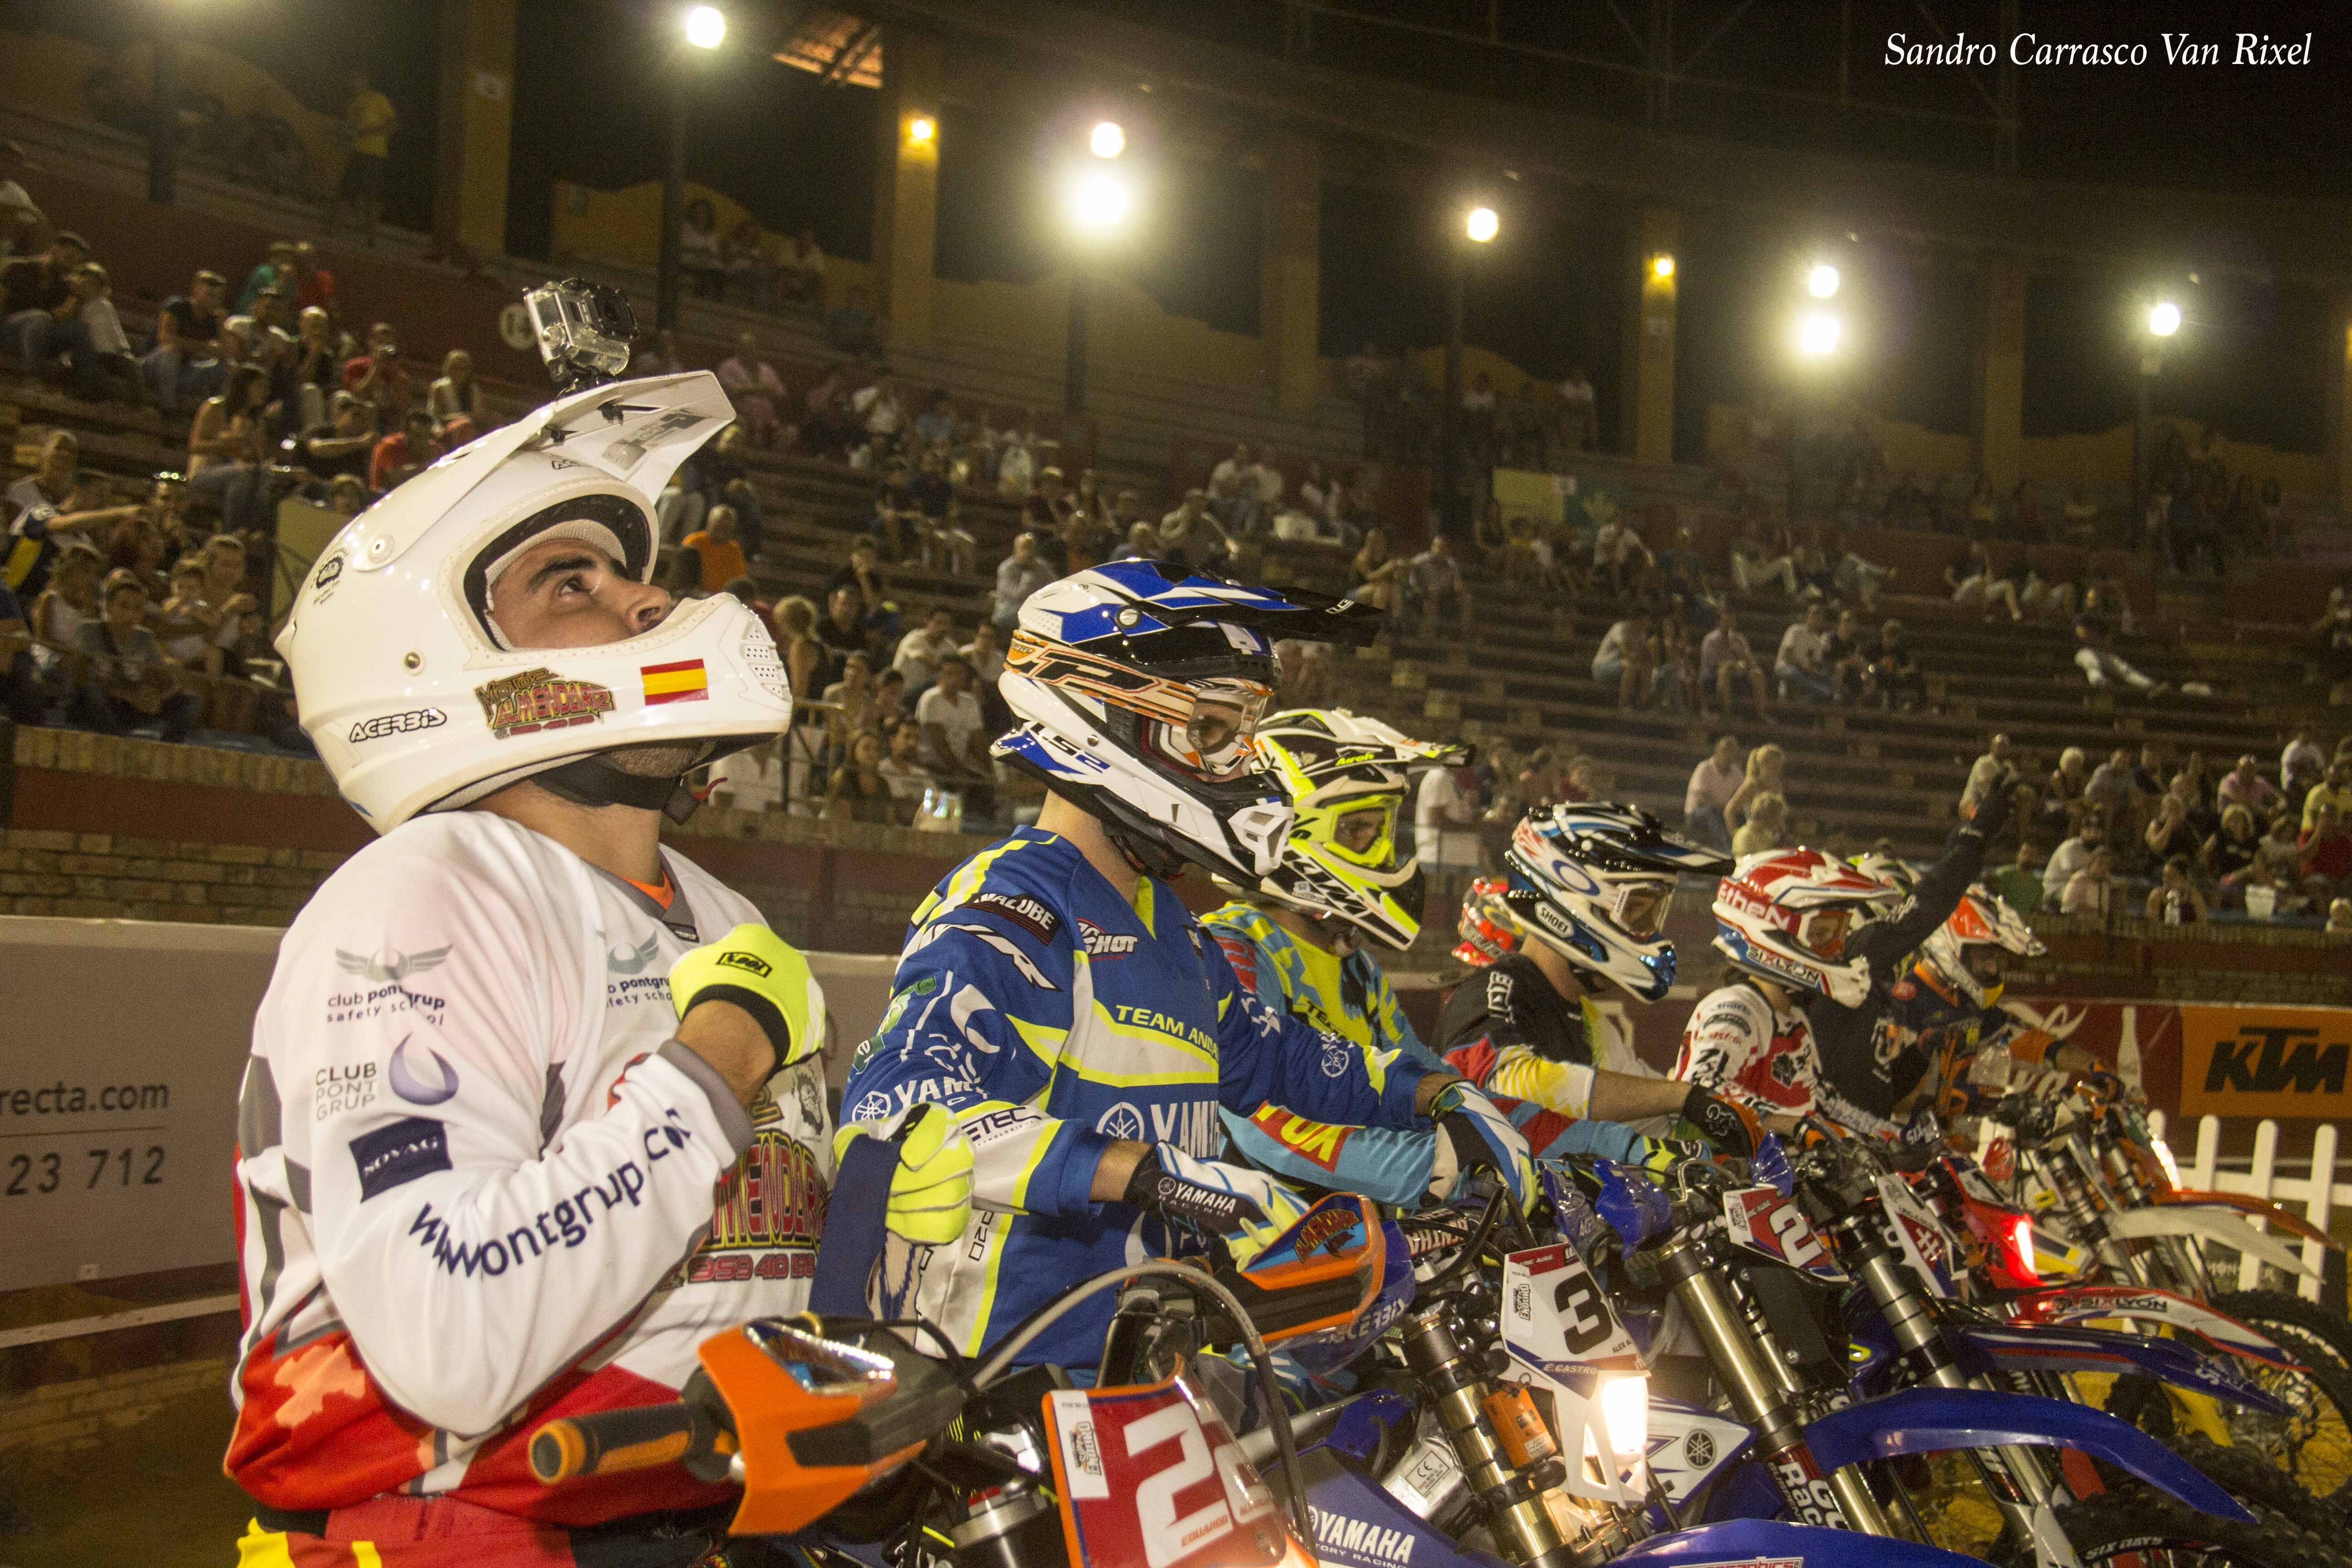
<point>1732,1128</point>
<point>1992,811</point>
<point>1202,1195</point>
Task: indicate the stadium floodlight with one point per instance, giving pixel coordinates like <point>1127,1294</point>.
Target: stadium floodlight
<point>1822,282</point>
<point>1107,139</point>
<point>1098,203</point>
<point>1816,334</point>
<point>2164,318</point>
<point>706,26</point>
<point>1662,265</point>
<point>1482,224</point>
<point>921,129</point>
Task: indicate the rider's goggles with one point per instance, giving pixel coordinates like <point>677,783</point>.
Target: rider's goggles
<point>1638,909</point>
<point>1209,729</point>
<point>1822,932</point>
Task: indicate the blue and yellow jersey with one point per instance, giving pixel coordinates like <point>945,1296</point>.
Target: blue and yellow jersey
<point>1054,1017</point>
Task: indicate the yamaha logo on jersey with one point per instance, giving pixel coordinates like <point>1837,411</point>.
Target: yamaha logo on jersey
<point>1122,1121</point>
<point>1337,1056</point>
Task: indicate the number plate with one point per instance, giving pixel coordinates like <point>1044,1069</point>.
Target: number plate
<point>1763,1222</point>
<point>1151,1477</point>
<point>1555,1316</point>
<point>1912,1230</point>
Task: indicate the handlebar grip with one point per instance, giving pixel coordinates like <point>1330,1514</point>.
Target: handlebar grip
<point>634,1438</point>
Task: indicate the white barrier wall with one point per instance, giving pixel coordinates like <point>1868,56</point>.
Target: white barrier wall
<point>122,1048</point>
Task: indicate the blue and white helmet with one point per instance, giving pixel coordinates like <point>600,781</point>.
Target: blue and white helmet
<point>1137,688</point>
<point>1593,881</point>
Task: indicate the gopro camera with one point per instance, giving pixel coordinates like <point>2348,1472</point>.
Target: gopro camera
<point>584,329</point>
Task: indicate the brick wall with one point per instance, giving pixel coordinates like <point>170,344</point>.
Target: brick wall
<point>77,1412</point>
<point>115,876</point>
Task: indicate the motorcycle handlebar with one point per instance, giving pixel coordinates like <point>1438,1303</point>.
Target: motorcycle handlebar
<point>635,1438</point>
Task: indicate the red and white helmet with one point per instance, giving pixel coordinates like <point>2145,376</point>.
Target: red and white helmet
<point>1786,915</point>
<point>1967,951</point>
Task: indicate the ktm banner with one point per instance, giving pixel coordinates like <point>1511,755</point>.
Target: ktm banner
<point>2266,1061</point>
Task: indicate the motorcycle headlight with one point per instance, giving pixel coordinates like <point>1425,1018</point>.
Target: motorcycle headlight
<point>1625,1411</point>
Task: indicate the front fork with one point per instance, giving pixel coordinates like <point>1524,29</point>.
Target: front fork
<point>2020,1479</point>
<point>1762,1387</point>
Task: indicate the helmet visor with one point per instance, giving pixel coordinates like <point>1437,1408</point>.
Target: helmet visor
<point>1640,910</point>
<point>1986,961</point>
<point>1823,933</point>
<point>1365,834</point>
<point>1215,739</point>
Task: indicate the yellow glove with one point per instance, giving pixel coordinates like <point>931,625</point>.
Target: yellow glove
<point>931,1192</point>
<point>758,970</point>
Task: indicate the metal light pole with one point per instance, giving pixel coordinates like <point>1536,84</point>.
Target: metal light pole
<point>1074,367</point>
<point>164,119</point>
<point>2163,321</point>
<point>705,29</point>
<point>1478,227</point>
<point>1098,204</point>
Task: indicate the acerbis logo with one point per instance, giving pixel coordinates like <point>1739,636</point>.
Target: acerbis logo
<point>384,724</point>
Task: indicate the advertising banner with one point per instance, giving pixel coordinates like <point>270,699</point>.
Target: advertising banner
<point>117,1091</point>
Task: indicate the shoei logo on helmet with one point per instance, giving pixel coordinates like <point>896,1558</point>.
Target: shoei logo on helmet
<point>540,699</point>
<point>384,724</point>
<point>750,963</point>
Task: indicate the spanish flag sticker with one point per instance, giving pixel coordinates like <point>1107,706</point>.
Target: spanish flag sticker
<point>684,681</point>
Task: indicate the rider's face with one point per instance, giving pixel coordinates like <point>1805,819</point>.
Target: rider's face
<point>1358,831</point>
<point>561,593</point>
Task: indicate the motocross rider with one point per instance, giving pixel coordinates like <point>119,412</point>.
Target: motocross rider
<point>513,1048</point>
<point>1583,906</point>
<point>1056,995</point>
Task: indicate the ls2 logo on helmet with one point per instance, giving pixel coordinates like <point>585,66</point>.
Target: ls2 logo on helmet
<point>540,699</point>
<point>384,724</point>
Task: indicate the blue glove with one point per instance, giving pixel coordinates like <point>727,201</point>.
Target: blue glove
<point>1635,1209</point>
<point>1478,1134</point>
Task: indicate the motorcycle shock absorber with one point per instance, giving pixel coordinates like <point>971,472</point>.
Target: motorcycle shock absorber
<point>2061,1167</point>
<point>2123,1179</point>
<point>1512,1498</point>
<point>1760,1388</point>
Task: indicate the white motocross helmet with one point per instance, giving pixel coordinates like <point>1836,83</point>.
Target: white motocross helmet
<point>1136,688</point>
<point>1967,952</point>
<point>1593,881</point>
<point>1786,915</point>
<point>405,685</point>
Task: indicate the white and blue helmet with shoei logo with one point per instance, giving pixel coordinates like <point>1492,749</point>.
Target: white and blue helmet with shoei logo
<point>1136,689</point>
<point>1594,880</point>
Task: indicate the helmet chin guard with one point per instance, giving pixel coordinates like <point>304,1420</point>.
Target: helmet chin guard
<point>403,679</point>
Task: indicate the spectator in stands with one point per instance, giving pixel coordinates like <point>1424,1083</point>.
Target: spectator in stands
<point>1018,575</point>
<point>743,259</point>
<point>1190,537</point>
<point>405,453</point>
<point>2065,797</point>
<point>929,487</point>
<point>21,222</point>
<point>1625,661</point>
<point>1379,575</point>
<point>949,544</point>
<point>1849,659</point>
<point>901,768</point>
<point>2095,657</point>
<point>318,366</point>
<point>1859,579</point>
<point>1802,662</point>
<point>2246,785</point>
<point>1767,773</point>
<point>2175,900</point>
<point>1713,785</point>
<point>800,274</point>
<point>455,400</point>
<point>2334,790</point>
<point>185,364</point>
<point>1077,545</point>
<point>227,593</point>
<point>68,601</point>
<point>1043,512</point>
<point>1235,496</point>
<point>48,491</point>
<point>750,781</point>
<point>858,790</point>
<point>125,678</point>
<point>955,735</point>
<point>1727,662</point>
<point>1977,586</point>
<point>20,688</point>
<point>369,122</point>
<point>1678,677</point>
<point>85,331</point>
<point>2231,852</point>
<point>376,376</point>
<point>2018,883</point>
<point>2093,890</point>
<point>923,650</point>
<point>1434,582</point>
<point>2301,764</point>
<point>2110,788</point>
<point>1620,559</point>
<point>274,270</point>
<point>1142,544</point>
<point>35,290</point>
<point>1753,560</point>
<point>753,386</point>
<point>2045,600</point>
<point>698,249</point>
<point>345,445</point>
<point>2169,831</point>
<point>718,544</point>
<point>227,448</point>
<point>851,328</point>
<point>843,631</point>
<point>854,702</point>
<point>1446,837</point>
<point>2074,855</point>
<point>1767,827</point>
<point>722,478</point>
<point>1896,678</point>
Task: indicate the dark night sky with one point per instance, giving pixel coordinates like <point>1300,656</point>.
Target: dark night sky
<point>589,106</point>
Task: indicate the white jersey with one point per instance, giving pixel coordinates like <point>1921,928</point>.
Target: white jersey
<point>479,1185</point>
<point>1737,1044</point>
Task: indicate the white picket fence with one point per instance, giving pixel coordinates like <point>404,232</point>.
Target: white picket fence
<point>2318,1190</point>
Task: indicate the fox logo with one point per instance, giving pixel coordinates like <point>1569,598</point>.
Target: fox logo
<point>1319,1142</point>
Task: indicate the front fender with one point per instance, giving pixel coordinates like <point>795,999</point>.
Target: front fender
<point>1761,1541</point>
<point>2044,1348</point>
<point>2278,1214</point>
<point>1933,1420</point>
<point>2226,1229</point>
<point>2145,1304</point>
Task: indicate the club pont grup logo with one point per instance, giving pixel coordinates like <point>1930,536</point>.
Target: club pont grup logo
<point>540,700</point>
